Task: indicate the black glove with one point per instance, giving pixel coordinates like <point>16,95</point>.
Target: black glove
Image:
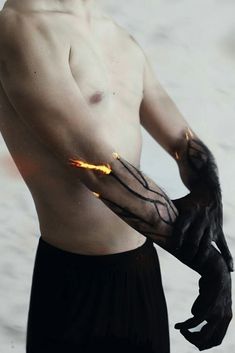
<point>197,226</point>
<point>214,303</point>
<point>201,211</point>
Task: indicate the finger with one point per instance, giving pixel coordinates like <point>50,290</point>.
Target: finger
<point>216,336</point>
<point>203,248</point>
<point>206,240</point>
<point>200,339</point>
<point>195,233</point>
<point>202,306</point>
<point>199,237</point>
<point>180,227</point>
<point>177,235</point>
<point>223,247</point>
<point>208,235</point>
<point>190,323</point>
<point>213,333</point>
<point>205,303</point>
<point>192,337</point>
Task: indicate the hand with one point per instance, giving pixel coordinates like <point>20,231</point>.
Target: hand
<point>214,304</point>
<point>198,224</point>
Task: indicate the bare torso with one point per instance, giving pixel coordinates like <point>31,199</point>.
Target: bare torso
<point>107,65</point>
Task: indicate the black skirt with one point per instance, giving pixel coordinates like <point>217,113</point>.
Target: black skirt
<point>84,303</point>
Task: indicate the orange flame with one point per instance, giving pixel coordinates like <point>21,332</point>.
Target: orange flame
<point>176,155</point>
<point>106,169</point>
<point>116,155</point>
<point>96,194</point>
<point>188,134</point>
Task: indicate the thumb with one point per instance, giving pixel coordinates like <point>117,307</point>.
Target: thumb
<point>190,323</point>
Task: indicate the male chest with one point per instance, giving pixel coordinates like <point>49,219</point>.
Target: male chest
<point>105,71</point>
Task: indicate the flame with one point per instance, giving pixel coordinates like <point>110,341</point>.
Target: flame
<point>188,133</point>
<point>104,168</point>
<point>96,194</point>
<point>116,155</point>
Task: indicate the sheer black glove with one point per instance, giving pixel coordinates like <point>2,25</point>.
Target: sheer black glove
<point>201,211</point>
<point>214,303</point>
<point>137,200</point>
<point>195,227</point>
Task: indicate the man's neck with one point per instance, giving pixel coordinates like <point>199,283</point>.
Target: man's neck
<point>84,8</point>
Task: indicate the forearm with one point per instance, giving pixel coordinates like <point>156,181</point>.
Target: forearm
<point>134,197</point>
<point>142,204</point>
<point>196,163</point>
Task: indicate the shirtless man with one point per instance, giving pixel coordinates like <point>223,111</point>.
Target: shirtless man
<point>75,90</point>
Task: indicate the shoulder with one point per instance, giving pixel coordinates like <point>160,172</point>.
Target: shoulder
<point>9,36</point>
<point>21,32</point>
<point>14,28</point>
<point>13,22</point>
<point>7,23</point>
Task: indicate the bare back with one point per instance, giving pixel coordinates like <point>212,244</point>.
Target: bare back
<point>108,66</point>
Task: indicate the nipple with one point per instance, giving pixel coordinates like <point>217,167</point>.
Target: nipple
<point>96,97</point>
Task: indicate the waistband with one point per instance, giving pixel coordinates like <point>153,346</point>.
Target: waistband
<point>54,253</point>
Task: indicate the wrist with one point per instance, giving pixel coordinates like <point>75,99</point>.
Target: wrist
<point>197,165</point>
<point>212,264</point>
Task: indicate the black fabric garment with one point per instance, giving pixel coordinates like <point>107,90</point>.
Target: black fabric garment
<point>87,303</point>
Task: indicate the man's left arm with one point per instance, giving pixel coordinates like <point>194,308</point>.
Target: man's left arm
<point>201,211</point>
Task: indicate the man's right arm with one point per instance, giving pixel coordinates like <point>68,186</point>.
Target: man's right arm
<point>36,77</point>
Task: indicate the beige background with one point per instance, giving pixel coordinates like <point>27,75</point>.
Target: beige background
<point>192,47</point>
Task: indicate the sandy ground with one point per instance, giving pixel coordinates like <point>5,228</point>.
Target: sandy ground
<point>192,47</point>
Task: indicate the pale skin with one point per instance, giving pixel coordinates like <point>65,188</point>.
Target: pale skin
<point>94,83</point>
